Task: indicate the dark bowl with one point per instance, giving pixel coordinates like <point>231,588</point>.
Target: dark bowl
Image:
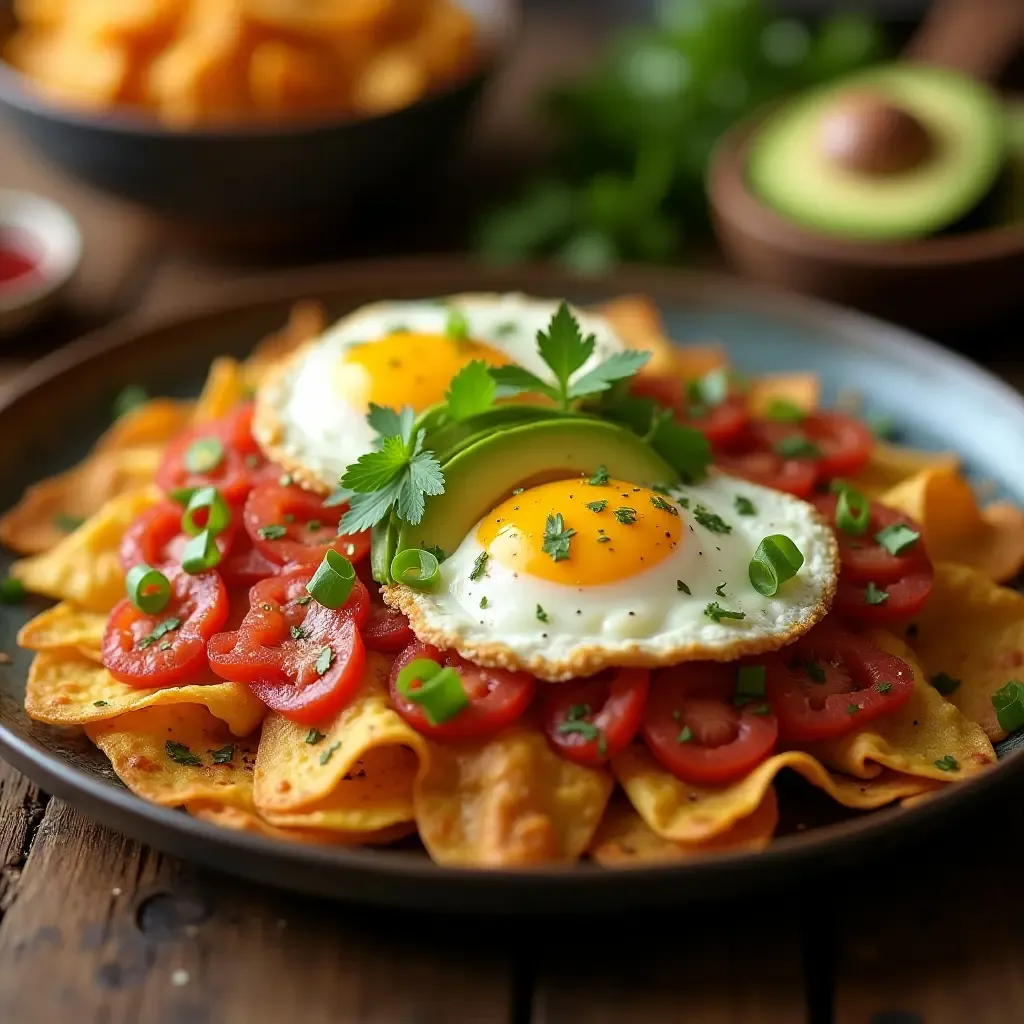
<point>260,177</point>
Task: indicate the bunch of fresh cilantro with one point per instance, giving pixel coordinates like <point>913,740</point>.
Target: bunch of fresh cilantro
<point>636,132</point>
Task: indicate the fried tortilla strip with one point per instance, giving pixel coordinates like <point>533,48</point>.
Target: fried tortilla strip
<point>65,626</point>
<point>800,389</point>
<point>685,813</point>
<point>67,688</point>
<point>891,464</point>
<point>151,424</point>
<point>306,321</point>
<point>954,527</point>
<point>972,630</point>
<point>239,820</point>
<point>623,840</point>
<point>509,802</point>
<point>178,754</point>
<point>354,773</point>
<point>84,567</point>
<point>915,739</point>
<point>51,509</point>
<point>225,388</point>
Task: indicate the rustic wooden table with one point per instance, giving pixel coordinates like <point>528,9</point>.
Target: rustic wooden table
<point>95,928</point>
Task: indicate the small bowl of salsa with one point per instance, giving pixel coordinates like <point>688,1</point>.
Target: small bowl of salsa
<point>40,249</point>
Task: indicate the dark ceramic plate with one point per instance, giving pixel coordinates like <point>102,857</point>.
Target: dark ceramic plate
<point>938,400</point>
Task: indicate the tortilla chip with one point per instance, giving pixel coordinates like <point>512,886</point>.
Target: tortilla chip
<point>622,839</point>
<point>509,802</point>
<point>800,389</point>
<point>49,510</point>
<point>65,626</point>
<point>914,738</point>
<point>306,321</point>
<point>153,423</point>
<point>955,529</point>
<point>150,751</point>
<point>84,567</point>
<point>224,389</point>
<point>891,464</point>
<point>354,773</point>
<point>241,820</point>
<point>67,688</point>
<point>684,813</point>
<point>973,631</point>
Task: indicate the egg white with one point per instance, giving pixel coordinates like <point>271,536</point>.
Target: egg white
<point>644,620</point>
<point>304,425</point>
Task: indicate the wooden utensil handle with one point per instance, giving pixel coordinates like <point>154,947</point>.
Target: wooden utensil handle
<point>977,37</point>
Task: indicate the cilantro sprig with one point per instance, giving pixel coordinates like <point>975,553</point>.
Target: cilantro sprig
<point>565,350</point>
<point>399,475</point>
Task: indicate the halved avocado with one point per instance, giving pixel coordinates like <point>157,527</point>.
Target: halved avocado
<point>452,437</point>
<point>898,152</point>
<point>481,476</point>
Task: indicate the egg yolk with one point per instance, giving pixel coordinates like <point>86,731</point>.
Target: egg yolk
<point>407,369</point>
<point>619,530</point>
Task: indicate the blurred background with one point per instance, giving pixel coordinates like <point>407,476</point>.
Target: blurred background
<point>195,141</point>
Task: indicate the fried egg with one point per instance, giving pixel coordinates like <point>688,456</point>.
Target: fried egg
<point>627,576</point>
<point>311,411</point>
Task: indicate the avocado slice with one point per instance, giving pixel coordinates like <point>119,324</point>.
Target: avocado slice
<point>481,476</point>
<point>945,140</point>
<point>453,436</point>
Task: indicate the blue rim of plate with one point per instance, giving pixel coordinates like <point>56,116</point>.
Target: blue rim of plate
<point>862,352</point>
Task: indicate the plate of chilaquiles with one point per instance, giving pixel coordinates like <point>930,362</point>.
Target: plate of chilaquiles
<point>500,590</point>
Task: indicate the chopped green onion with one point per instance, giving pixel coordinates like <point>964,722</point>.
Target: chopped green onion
<point>796,446</point>
<point>11,590</point>
<point>897,538</point>
<point>872,595</point>
<point>782,410</point>
<point>148,588</point>
<point>200,553</point>
<point>853,512</point>
<point>333,580</point>
<point>710,390</point>
<point>456,326</point>
<point>479,566</point>
<point>750,681</point>
<point>204,455</point>
<point>945,684</point>
<point>440,692</point>
<point>776,560</point>
<point>218,516</point>
<point>416,568</point>
<point>130,397</point>
<point>1008,701</point>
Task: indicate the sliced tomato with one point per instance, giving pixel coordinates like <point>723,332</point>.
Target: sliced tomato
<point>387,630</point>
<point>166,648</point>
<point>868,570</point>
<point>156,538</point>
<point>793,476</point>
<point>289,524</point>
<point>721,424</point>
<point>843,444</point>
<point>694,729</point>
<point>590,720</point>
<point>238,465</point>
<point>301,659</point>
<point>831,682</point>
<point>496,697</point>
<point>244,565</point>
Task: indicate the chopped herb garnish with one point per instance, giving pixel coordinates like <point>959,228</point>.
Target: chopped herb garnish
<point>796,446</point>
<point>681,586</point>
<point>945,684</point>
<point>744,506</point>
<point>685,735</point>
<point>305,599</point>
<point>603,539</point>
<point>852,709</point>
<point>720,590</point>
<point>782,410</point>
<point>298,633</point>
<point>223,755</point>
<point>557,537</point>
<point>883,687</point>
<point>659,502</point>
<point>100,703</point>
<point>275,531</point>
<point>814,671</point>
<point>479,566</point>
<point>541,614</point>
<point>661,489</point>
<point>329,752</point>
<point>66,523</point>
<point>180,754</point>
<point>160,630</point>
<point>506,329</point>
<point>710,520</point>
<point>716,612</point>
<point>437,552</point>
<point>315,736</point>
<point>575,722</point>
<point>483,601</point>
<point>897,538</point>
<point>314,525</point>
<point>600,477</point>
<point>872,595</point>
<point>323,662</point>
<point>518,490</point>
<point>948,763</point>
<point>597,506</point>
<point>625,515</point>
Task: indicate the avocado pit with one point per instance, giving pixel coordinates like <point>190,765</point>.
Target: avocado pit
<point>865,133</point>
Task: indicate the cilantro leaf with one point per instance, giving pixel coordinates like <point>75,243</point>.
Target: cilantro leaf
<point>616,367</point>
<point>686,450</point>
<point>563,347</point>
<point>375,470</point>
<point>513,380</point>
<point>472,391</point>
<point>424,479</point>
<point>389,423</point>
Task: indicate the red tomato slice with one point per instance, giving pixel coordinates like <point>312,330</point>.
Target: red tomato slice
<point>289,524</point>
<point>234,473</point>
<point>244,565</point>
<point>496,697</point>
<point>844,444</point>
<point>692,727</point>
<point>166,648</point>
<point>906,578</point>
<point>590,720</point>
<point>156,538</point>
<point>721,424</point>
<point>831,682</point>
<point>301,659</point>
<point>387,630</point>
<point>793,476</point>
